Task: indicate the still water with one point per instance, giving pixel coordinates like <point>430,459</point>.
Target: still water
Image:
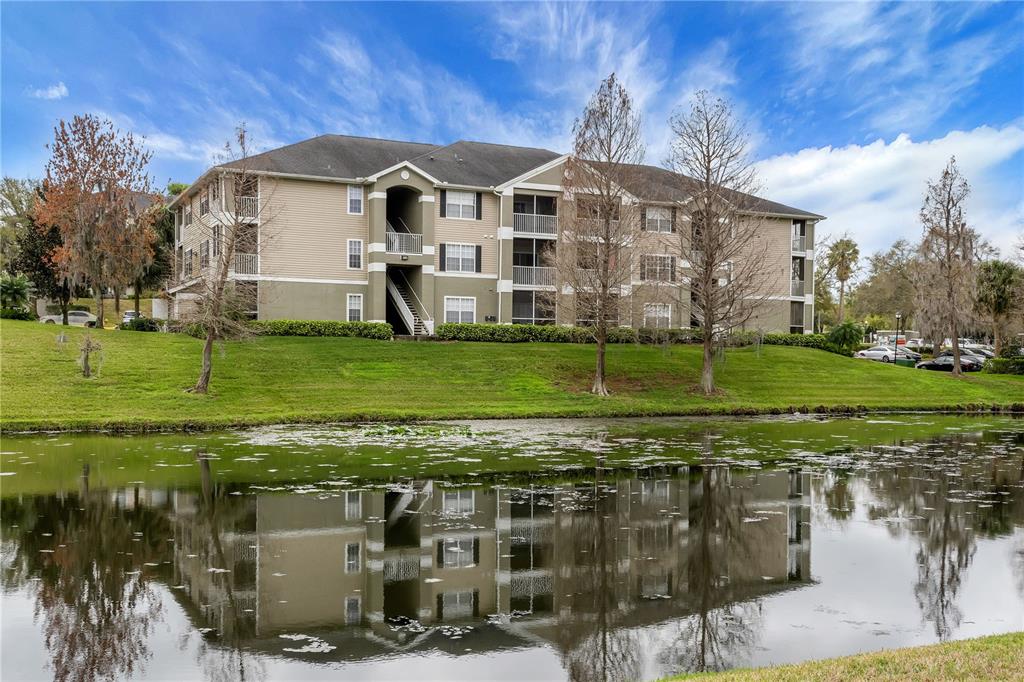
<point>540,550</point>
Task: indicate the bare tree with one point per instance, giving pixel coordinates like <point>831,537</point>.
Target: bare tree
<point>227,235</point>
<point>594,259</point>
<point>949,251</point>
<point>728,257</point>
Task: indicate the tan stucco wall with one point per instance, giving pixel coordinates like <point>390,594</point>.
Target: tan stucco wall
<point>484,290</point>
<point>305,230</point>
<point>307,300</point>
<point>483,232</point>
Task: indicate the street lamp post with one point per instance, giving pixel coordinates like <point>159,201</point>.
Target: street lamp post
<point>896,342</point>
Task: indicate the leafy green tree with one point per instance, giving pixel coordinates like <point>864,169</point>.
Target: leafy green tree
<point>154,273</point>
<point>998,295</point>
<point>845,337</point>
<point>888,287</point>
<point>842,259</point>
<point>176,188</point>
<point>14,291</point>
<point>16,200</point>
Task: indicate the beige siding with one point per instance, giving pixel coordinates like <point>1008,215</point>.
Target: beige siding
<point>305,230</point>
<point>483,232</point>
<point>552,176</point>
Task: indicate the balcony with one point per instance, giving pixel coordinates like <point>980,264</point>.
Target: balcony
<point>796,287</point>
<point>404,242</point>
<point>799,242</point>
<point>530,276</point>
<point>528,223</point>
<point>246,264</point>
<point>248,207</point>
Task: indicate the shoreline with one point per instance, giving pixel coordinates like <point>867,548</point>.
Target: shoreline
<point>25,427</point>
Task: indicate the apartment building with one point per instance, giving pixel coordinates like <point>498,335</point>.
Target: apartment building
<point>352,228</point>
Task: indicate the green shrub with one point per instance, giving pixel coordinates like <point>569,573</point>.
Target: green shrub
<point>845,338</point>
<point>819,341</point>
<point>1005,365</point>
<point>366,330</point>
<point>140,324</point>
<point>512,333</point>
<point>17,314</point>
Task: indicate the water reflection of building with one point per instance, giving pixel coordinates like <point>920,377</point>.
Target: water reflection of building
<point>383,565</point>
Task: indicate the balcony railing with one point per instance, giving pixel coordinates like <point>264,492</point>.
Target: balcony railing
<point>530,276</point>
<point>404,242</point>
<point>796,287</point>
<point>247,264</point>
<point>529,223</point>
<point>248,207</point>
<point>799,243</point>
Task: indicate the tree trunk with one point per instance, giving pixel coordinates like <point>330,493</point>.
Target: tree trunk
<point>997,337</point>
<point>956,348</point>
<point>65,302</point>
<point>707,374</point>
<point>599,387</point>
<point>117,302</point>
<point>99,307</point>
<point>86,370</point>
<point>138,293</point>
<point>842,300</point>
<point>203,384</point>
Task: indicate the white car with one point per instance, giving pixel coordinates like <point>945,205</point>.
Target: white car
<point>885,354</point>
<point>77,318</point>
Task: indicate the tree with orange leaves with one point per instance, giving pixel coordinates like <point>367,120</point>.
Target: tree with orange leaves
<point>93,189</point>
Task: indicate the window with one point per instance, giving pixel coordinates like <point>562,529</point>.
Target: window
<point>187,219</point>
<point>190,262</point>
<point>204,203</point>
<point>459,309</point>
<point>457,604</point>
<point>457,553</point>
<point>658,268</point>
<point>218,237</point>
<point>533,307</point>
<point>204,254</point>
<point>796,317</point>
<point>659,219</point>
<point>353,610</point>
<point>460,205</point>
<point>215,191</point>
<point>355,254</point>
<point>353,556</point>
<point>460,257</point>
<point>459,502</point>
<point>355,307</point>
<point>355,199</point>
<point>181,261</point>
<point>248,295</point>
<point>658,315</point>
<point>353,505</point>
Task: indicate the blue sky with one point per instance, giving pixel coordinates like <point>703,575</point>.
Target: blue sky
<point>851,107</point>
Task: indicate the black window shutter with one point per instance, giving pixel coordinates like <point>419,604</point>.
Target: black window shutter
<point>643,218</point>
<point>672,272</point>
<point>440,554</point>
<point>476,550</point>
<point>673,218</point>
<point>479,252</point>
<point>442,243</point>
<point>479,206</point>
<point>643,268</point>
<point>444,209</point>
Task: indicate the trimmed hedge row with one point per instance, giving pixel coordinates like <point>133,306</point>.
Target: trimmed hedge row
<point>366,330</point>
<point>819,341</point>
<point>16,314</point>
<point>140,324</point>
<point>1004,366</point>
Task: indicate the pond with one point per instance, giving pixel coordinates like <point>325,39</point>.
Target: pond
<point>542,550</point>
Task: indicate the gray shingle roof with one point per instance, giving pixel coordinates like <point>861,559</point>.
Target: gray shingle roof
<point>481,164</point>
<point>335,156</point>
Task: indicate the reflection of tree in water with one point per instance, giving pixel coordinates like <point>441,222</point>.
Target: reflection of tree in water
<point>596,650</point>
<point>229,659</point>
<point>97,608</point>
<point>836,489</point>
<point>722,626</point>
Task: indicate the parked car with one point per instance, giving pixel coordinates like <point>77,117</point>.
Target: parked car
<point>78,318</point>
<point>129,315</point>
<point>965,356</point>
<point>944,363</point>
<point>916,343</point>
<point>885,354</point>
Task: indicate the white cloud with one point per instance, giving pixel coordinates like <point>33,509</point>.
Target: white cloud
<point>874,191</point>
<point>893,63</point>
<point>56,91</point>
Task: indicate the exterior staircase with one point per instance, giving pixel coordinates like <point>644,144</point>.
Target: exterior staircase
<point>407,307</point>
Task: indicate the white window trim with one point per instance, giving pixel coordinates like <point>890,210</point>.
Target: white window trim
<point>450,298</point>
<point>348,199</point>
<point>448,245</point>
<point>651,305</point>
<point>359,560</point>
<point>447,213</point>
<point>671,266</point>
<point>349,307</point>
<point>348,254</point>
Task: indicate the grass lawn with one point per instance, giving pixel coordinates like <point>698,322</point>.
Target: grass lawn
<point>1000,657</point>
<point>143,377</point>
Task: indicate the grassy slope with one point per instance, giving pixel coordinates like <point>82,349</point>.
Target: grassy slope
<point>276,379</point>
<point>988,658</point>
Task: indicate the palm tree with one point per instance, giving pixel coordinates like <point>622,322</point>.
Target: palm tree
<point>14,291</point>
<point>999,283</point>
<point>842,262</point>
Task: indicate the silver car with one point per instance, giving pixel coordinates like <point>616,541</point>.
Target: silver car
<point>77,318</point>
<point>885,354</point>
